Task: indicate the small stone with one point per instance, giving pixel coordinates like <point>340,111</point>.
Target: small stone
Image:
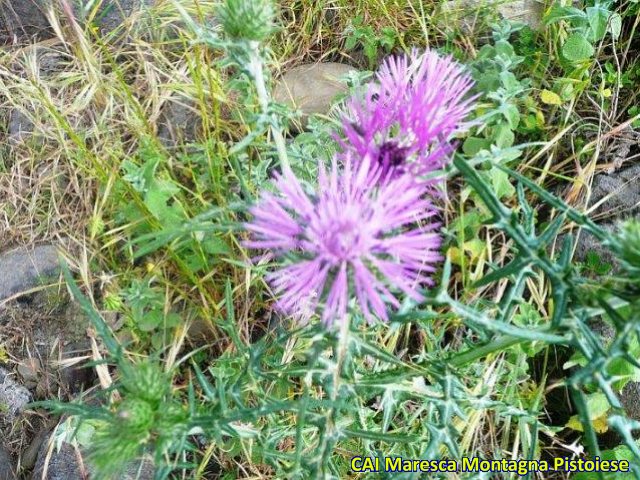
<point>13,396</point>
<point>29,370</point>
<point>30,454</point>
<point>22,269</point>
<point>115,320</point>
<point>179,122</point>
<point>20,126</point>
<point>201,331</point>
<point>312,88</point>
<point>43,388</point>
<point>6,465</point>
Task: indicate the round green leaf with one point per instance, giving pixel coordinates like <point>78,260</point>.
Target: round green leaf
<point>577,48</point>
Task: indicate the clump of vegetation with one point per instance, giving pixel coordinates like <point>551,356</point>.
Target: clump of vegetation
<point>460,327</point>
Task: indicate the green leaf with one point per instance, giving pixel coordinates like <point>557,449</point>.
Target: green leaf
<point>577,48</point>
<point>157,199</point>
<point>172,320</point>
<point>473,145</point>
<point>371,51</point>
<point>505,49</point>
<point>501,183</point>
<point>151,320</point>
<point>503,136</point>
<point>577,359</point>
<point>550,98</point>
<point>510,82</point>
<point>598,18</point>
<point>351,42</point>
<point>621,452</point>
<point>558,13</point>
<point>598,406</point>
<point>615,25</point>
<point>215,246</point>
<point>512,114</point>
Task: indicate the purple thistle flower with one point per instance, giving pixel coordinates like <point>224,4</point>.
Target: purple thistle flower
<point>353,235</point>
<point>406,118</point>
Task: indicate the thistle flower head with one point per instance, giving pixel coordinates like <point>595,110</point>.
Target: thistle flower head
<point>405,119</point>
<point>352,235</point>
<point>247,19</point>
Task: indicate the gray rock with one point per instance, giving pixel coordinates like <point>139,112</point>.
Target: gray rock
<point>22,268</point>
<point>13,396</point>
<point>630,399</point>
<point>63,464</point>
<point>616,195</point>
<point>201,331</point>
<point>179,122</point>
<point>111,14</point>
<point>20,127</point>
<point>142,470</point>
<point>7,471</point>
<point>630,394</point>
<point>69,463</point>
<point>470,14</point>
<point>312,88</point>
<point>587,244</point>
<point>24,18</point>
<point>77,377</point>
<point>528,12</point>
<point>28,18</point>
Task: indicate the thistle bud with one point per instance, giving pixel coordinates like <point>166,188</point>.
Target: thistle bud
<point>247,19</point>
<point>146,381</point>
<point>138,415</point>
<point>627,245</point>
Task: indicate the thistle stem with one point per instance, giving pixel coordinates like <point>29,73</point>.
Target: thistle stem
<point>256,68</point>
<point>341,349</point>
<point>343,345</point>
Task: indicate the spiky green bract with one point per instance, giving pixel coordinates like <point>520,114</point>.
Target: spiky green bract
<point>145,380</point>
<point>137,428</point>
<point>171,426</point>
<point>149,419</point>
<point>247,19</point>
<point>627,246</point>
<point>136,414</point>
<point>112,449</point>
